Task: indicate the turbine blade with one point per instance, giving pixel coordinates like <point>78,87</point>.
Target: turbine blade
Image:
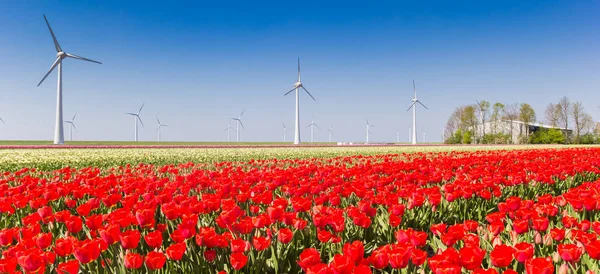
<point>82,58</point>
<point>298,69</point>
<point>309,93</point>
<point>242,113</point>
<point>56,45</point>
<point>141,108</point>
<point>140,119</point>
<point>241,124</point>
<point>157,120</point>
<point>73,119</point>
<point>422,104</point>
<point>2,121</point>
<point>73,124</point>
<point>289,92</point>
<point>129,113</point>
<point>50,70</point>
<point>414,88</point>
<point>283,125</point>
<point>318,127</point>
<point>410,106</point>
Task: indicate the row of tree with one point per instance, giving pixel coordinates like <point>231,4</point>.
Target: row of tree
<point>467,124</point>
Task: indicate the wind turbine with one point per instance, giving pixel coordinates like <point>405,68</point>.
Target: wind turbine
<point>159,127</point>
<point>228,129</point>
<point>136,117</point>
<point>60,56</point>
<point>71,127</point>
<point>414,108</point>
<point>312,129</point>
<point>398,136</point>
<point>330,132</point>
<point>237,127</point>
<point>368,131</point>
<point>284,131</point>
<point>297,86</point>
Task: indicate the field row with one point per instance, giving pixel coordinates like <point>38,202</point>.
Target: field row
<point>51,159</point>
<point>533,211</point>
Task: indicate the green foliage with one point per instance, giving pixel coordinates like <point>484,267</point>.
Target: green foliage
<point>498,138</point>
<point>589,139</point>
<point>467,138</point>
<point>455,138</point>
<point>547,136</point>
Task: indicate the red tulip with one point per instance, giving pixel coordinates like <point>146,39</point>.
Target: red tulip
<point>355,250</point>
<point>210,255</point>
<point>471,257</point>
<point>418,257</point>
<point>74,224</point>
<point>308,258</point>
<point>523,252</point>
<point>569,252</point>
<point>175,251</point>
<point>154,239</point>
<point>261,243</point>
<point>238,260</point>
<point>130,239</point>
<point>8,265</point>
<point>44,240</point>
<point>87,251</point>
<point>593,249</point>
<point>68,267</point>
<point>285,235</point>
<point>501,256</point>
<point>155,260</point>
<point>133,260</point>
<point>539,266</point>
<point>31,262</point>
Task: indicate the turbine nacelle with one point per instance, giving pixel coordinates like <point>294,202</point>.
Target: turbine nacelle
<point>61,55</point>
<point>298,84</point>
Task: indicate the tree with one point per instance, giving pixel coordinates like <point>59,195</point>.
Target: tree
<point>497,113</point>
<point>483,107</point>
<point>565,111</point>
<point>552,114</point>
<point>468,120</point>
<point>584,123</point>
<point>547,136</point>
<point>453,124</point>
<point>511,113</point>
<point>527,116</point>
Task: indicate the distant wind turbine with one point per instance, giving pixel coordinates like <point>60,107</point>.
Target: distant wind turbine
<point>136,118</point>
<point>237,127</point>
<point>368,129</point>
<point>159,127</point>
<point>284,131</point>
<point>414,108</point>
<point>330,132</point>
<point>297,86</point>
<point>228,129</point>
<point>312,129</point>
<point>398,136</point>
<point>71,127</point>
<point>60,56</point>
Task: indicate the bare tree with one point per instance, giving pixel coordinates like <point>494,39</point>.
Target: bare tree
<point>565,112</point>
<point>552,114</point>
<point>527,116</point>
<point>511,113</point>
<point>587,123</point>
<point>578,118</point>
<point>497,114</point>
<point>483,107</point>
<point>453,123</point>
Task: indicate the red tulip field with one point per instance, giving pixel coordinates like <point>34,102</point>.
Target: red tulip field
<point>489,211</point>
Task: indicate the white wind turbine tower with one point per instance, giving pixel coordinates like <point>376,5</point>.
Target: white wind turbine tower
<point>297,86</point>
<point>60,56</point>
<point>414,108</point>
<point>228,129</point>
<point>398,136</point>
<point>312,129</point>
<point>330,132</point>
<point>284,131</point>
<point>71,127</point>
<point>237,127</point>
<point>136,118</point>
<point>159,127</point>
<point>368,129</point>
<point>409,133</point>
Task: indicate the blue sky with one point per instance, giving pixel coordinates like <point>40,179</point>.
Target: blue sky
<point>198,64</point>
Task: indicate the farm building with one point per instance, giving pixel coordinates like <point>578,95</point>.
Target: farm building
<point>514,128</point>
